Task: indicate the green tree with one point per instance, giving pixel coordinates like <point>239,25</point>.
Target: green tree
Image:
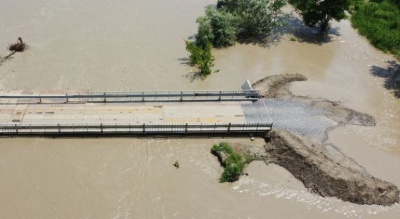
<point>201,57</point>
<point>321,12</point>
<point>221,26</point>
<point>217,27</point>
<point>255,17</point>
<point>205,33</point>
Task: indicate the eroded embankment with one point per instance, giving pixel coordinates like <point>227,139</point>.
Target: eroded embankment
<point>325,174</point>
<point>321,168</point>
<point>277,86</point>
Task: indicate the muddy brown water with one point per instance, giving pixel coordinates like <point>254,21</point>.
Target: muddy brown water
<point>138,45</point>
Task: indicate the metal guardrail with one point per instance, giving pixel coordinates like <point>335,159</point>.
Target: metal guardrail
<point>147,96</point>
<point>134,129</point>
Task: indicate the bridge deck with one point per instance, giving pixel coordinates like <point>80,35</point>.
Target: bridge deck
<point>196,112</point>
<point>172,112</point>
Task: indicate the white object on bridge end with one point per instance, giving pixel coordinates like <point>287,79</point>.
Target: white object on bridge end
<point>247,86</point>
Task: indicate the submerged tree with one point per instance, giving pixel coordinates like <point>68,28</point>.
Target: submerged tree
<point>255,17</point>
<point>221,26</point>
<point>238,18</point>
<point>201,57</point>
<point>321,12</point>
<point>19,46</point>
<point>217,27</point>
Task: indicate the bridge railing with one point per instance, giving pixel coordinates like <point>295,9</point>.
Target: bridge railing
<point>137,129</point>
<point>145,96</point>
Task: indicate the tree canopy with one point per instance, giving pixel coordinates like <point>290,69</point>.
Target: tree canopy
<point>320,12</point>
<point>232,19</point>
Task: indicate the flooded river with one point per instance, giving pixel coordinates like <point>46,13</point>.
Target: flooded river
<point>139,45</point>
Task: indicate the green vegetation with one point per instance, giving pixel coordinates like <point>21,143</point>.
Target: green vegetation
<point>232,19</point>
<point>201,57</point>
<point>379,21</point>
<point>216,27</point>
<point>320,12</point>
<point>254,18</point>
<point>234,162</point>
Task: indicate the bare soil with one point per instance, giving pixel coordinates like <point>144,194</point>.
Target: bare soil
<point>323,174</point>
<point>324,170</point>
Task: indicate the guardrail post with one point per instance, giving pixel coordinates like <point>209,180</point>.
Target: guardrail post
<point>142,96</point>
<point>101,128</point>
<point>229,127</point>
<point>16,128</point>
<point>144,128</point>
<point>59,129</point>
<point>186,128</point>
<point>181,96</point>
<point>40,100</point>
<point>105,100</point>
<point>219,95</point>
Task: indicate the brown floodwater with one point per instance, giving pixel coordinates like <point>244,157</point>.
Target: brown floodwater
<point>139,45</point>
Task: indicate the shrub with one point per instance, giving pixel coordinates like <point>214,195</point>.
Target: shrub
<point>200,57</point>
<point>256,17</point>
<point>232,172</point>
<point>234,162</point>
<point>205,32</point>
<point>218,27</point>
<point>320,12</point>
<point>223,146</point>
<point>233,18</point>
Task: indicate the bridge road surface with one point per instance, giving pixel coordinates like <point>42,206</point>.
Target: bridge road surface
<point>128,112</point>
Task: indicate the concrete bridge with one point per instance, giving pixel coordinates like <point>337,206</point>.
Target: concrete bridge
<point>133,113</point>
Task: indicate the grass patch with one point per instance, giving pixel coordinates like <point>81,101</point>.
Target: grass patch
<point>379,22</point>
<point>233,162</point>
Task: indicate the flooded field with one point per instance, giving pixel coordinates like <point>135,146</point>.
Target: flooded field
<point>139,45</point>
